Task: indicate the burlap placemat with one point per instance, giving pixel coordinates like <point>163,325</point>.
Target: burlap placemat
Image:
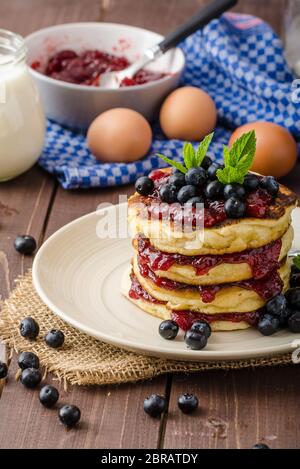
<point>84,360</point>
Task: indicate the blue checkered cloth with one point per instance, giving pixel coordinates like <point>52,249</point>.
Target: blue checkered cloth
<point>238,60</point>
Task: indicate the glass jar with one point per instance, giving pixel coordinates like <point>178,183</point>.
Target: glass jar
<point>22,119</point>
<point>292,35</point>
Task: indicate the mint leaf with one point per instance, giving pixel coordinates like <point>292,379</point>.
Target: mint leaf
<point>238,159</point>
<point>245,145</point>
<point>202,149</point>
<point>296,261</point>
<point>176,164</point>
<point>188,155</point>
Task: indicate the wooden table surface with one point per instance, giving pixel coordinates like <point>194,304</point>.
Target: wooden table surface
<point>238,408</point>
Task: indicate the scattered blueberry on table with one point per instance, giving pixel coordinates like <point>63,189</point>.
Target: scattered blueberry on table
<point>31,377</point>
<point>55,338</point>
<point>260,446</point>
<point>3,370</point>
<point>28,360</point>
<point>188,403</point>
<point>155,405</point>
<point>29,328</point>
<point>69,415</point>
<point>25,244</point>
<point>48,396</point>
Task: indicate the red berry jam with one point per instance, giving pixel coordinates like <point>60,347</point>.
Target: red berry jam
<point>186,318</point>
<point>262,260</point>
<point>265,287</point>
<point>85,68</point>
<point>137,292</point>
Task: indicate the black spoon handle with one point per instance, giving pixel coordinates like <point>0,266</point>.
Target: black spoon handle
<point>210,11</point>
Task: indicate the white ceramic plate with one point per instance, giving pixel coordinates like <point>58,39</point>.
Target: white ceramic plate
<point>78,276</point>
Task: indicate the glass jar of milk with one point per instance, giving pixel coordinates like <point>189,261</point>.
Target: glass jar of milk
<point>22,120</point>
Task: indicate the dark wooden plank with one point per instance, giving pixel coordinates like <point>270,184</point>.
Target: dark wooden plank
<point>164,16</point>
<point>237,409</point>
<point>24,204</point>
<point>25,17</point>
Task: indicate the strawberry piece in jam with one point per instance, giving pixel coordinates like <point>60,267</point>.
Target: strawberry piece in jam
<point>257,203</point>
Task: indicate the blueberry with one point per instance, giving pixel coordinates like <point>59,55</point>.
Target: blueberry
<point>25,244</point>
<point>207,162</point>
<point>293,297</point>
<point>294,322</point>
<point>168,329</point>
<point>178,180</point>
<point>202,327</point>
<point>196,176</point>
<point>276,306</point>
<point>195,340</point>
<point>251,182</point>
<point>260,446</point>
<point>155,405</point>
<point>48,396</point>
<point>270,184</point>
<point>186,193</point>
<point>268,324</point>
<point>195,200</point>
<point>168,193</point>
<point>69,415</point>
<point>28,360</point>
<point>234,190</point>
<point>3,370</point>
<point>212,170</point>
<point>29,328</point>
<point>214,190</point>
<point>187,403</point>
<point>31,377</point>
<point>55,338</point>
<point>295,280</point>
<point>234,208</point>
<point>144,185</point>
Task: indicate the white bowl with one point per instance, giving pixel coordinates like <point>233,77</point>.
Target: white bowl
<point>78,105</point>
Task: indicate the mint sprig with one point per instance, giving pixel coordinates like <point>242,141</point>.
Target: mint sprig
<point>296,261</point>
<point>191,158</point>
<point>238,159</point>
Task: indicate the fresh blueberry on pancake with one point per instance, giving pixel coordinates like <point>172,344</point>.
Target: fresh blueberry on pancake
<point>293,297</point>
<point>196,176</point>
<point>193,201</point>
<point>234,208</point>
<point>212,170</point>
<point>277,305</point>
<point>251,182</point>
<point>168,193</point>
<point>177,179</point>
<point>214,190</point>
<point>207,162</point>
<point>234,190</point>
<point>270,184</point>
<point>186,193</point>
<point>295,280</point>
<point>144,185</point>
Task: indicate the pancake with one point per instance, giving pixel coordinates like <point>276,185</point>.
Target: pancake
<point>229,298</point>
<point>162,311</point>
<point>229,236</point>
<point>224,272</point>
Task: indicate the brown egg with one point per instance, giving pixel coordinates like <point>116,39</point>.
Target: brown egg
<point>276,149</point>
<point>188,113</point>
<point>119,135</point>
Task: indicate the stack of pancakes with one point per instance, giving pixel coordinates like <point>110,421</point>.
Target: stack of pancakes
<point>223,275</point>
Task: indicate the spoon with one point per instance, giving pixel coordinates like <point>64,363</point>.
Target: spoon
<point>212,10</point>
